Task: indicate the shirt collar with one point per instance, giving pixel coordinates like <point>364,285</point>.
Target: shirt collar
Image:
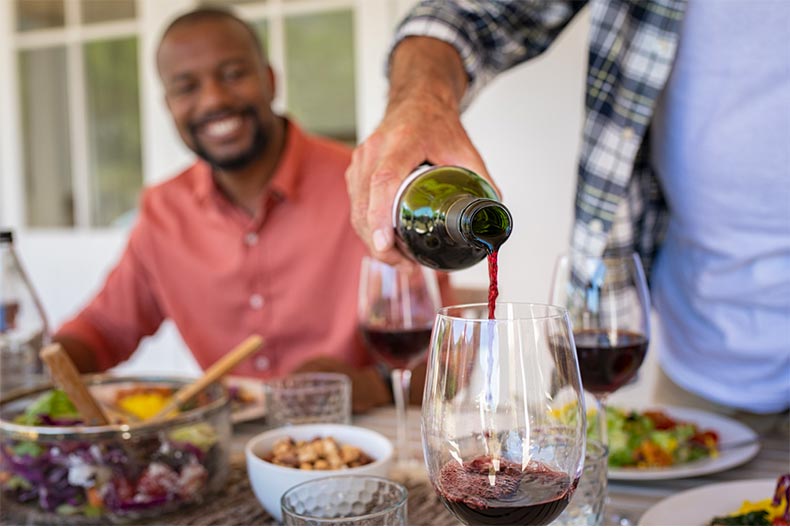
<point>287,174</point>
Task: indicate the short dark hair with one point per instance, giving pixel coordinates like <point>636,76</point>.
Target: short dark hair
<point>216,13</point>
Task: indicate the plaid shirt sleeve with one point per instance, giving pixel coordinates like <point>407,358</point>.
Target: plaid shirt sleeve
<point>619,203</point>
<point>490,36</point>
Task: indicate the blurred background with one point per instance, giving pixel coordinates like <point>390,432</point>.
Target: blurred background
<point>84,129</point>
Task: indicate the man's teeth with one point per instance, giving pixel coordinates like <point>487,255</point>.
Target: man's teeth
<point>223,126</point>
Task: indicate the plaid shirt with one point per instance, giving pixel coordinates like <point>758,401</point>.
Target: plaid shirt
<point>619,203</point>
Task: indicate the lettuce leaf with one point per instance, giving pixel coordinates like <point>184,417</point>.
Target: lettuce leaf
<point>55,404</point>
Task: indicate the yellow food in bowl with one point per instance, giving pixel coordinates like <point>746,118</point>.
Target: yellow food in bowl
<point>144,404</point>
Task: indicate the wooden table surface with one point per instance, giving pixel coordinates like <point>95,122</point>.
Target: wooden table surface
<point>627,500</point>
<point>236,504</point>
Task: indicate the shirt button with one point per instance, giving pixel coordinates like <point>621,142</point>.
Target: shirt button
<point>261,363</point>
<point>251,239</point>
<point>256,301</point>
<point>628,133</point>
<point>596,226</point>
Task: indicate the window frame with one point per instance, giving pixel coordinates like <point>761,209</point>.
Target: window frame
<point>163,152</point>
<point>72,37</point>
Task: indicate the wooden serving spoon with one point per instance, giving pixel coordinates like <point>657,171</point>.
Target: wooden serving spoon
<point>66,377</point>
<point>217,370</point>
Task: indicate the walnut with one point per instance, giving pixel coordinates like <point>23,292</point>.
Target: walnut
<point>349,453</point>
<point>307,454</point>
<point>283,446</point>
<point>320,453</point>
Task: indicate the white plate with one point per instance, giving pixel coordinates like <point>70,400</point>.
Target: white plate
<point>729,430</point>
<point>252,389</point>
<point>699,506</point>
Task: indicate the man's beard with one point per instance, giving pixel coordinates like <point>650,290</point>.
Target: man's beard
<point>259,141</point>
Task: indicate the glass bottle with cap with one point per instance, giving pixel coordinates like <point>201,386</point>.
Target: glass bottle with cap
<point>23,324</point>
<point>449,218</point>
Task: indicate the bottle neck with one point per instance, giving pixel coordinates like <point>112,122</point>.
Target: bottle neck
<point>480,222</point>
<point>16,287</point>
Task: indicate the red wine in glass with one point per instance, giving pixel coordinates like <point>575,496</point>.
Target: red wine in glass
<point>608,359</point>
<point>534,496</point>
<point>397,347</point>
<point>503,460</point>
<point>609,305</point>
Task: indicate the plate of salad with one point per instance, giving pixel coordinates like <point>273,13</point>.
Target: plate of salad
<point>743,502</point>
<point>673,442</point>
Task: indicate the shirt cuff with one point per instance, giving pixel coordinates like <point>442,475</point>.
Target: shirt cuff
<point>83,331</point>
<point>441,30</point>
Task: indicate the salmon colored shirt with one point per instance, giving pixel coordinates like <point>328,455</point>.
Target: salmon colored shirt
<point>290,274</point>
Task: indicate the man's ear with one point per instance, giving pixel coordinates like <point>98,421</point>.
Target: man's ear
<point>167,102</point>
<point>272,79</point>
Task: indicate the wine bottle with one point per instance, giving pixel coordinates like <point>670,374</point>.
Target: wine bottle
<point>23,323</point>
<point>449,218</point>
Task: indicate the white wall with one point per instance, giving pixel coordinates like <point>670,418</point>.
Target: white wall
<point>67,270</point>
<point>526,124</point>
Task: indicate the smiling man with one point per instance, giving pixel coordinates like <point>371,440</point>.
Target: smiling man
<point>254,237</point>
<point>219,89</point>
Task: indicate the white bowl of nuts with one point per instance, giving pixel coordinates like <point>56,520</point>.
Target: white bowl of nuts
<point>281,458</point>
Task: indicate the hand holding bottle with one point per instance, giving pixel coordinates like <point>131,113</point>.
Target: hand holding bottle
<point>422,123</point>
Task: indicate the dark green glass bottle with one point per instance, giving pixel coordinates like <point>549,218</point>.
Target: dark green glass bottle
<point>449,218</point>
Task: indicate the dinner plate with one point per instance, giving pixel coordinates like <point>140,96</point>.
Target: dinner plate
<point>699,506</point>
<point>730,432</point>
<point>253,403</point>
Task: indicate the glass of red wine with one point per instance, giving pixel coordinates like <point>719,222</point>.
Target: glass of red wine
<point>396,309</point>
<point>503,414</point>
<point>609,305</point>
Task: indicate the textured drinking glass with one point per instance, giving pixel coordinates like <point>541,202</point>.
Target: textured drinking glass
<point>308,398</point>
<point>503,416</point>
<point>586,506</point>
<point>345,500</point>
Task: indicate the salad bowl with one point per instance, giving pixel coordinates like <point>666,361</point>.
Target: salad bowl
<point>54,469</point>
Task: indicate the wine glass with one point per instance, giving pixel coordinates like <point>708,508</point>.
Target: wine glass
<point>609,305</point>
<point>396,309</point>
<point>503,415</point>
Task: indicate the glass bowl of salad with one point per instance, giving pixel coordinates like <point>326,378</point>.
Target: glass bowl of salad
<point>55,469</point>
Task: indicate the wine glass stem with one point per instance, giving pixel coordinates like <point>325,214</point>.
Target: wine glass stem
<point>602,426</point>
<point>401,384</point>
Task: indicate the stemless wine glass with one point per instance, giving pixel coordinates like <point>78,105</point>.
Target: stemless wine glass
<point>609,305</point>
<point>397,306</point>
<point>503,415</point>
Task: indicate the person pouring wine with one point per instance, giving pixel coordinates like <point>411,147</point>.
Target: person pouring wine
<point>670,160</point>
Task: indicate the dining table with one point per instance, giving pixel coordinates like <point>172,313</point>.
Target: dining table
<point>627,500</point>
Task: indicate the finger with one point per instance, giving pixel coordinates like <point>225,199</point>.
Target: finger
<point>358,191</point>
<point>399,157</point>
<point>379,243</point>
<point>384,185</point>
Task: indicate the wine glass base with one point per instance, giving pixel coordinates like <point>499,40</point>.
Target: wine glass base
<point>409,471</point>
